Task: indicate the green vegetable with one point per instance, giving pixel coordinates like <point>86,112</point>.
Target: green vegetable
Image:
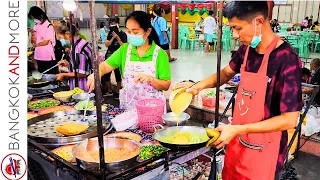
<point>151,151</point>
<point>77,91</point>
<point>81,105</point>
<point>42,104</point>
<point>210,94</point>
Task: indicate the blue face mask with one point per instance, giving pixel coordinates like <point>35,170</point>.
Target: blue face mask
<point>64,42</point>
<point>136,40</point>
<point>256,39</point>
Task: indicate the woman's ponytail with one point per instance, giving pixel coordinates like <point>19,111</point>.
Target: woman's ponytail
<point>154,37</point>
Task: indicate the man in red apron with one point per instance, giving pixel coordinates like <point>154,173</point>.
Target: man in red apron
<point>268,99</point>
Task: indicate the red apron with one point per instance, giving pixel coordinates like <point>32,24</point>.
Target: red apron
<point>252,156</point>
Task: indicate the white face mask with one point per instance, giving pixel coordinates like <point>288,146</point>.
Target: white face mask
<point>36,21</point>
<point>313,72</point>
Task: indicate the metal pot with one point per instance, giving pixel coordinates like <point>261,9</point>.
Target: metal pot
<point>109,142</point>
<point>82,96</point>
<point>169,120</point>
<point>29,97</point>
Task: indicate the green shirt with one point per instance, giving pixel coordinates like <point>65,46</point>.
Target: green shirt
<point>118,60</point>
<point>30,22</point>
<point>82,36</point>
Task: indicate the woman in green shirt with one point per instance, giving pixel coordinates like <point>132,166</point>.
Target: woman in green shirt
<point>144,66</point>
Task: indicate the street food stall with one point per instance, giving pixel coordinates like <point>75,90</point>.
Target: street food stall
<point>67,141</point>
<point>74,135</point>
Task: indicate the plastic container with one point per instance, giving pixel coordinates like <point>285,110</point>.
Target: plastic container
<point>150,113</point>
<point>210,101</point>
<point>180,100</point>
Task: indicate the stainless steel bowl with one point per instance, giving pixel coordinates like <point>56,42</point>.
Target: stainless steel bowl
<point>29,97</point>
<point>109,142</point>
<point>184,119</point>
<point>82,96</point>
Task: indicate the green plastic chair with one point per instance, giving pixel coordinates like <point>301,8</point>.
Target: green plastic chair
<point>226,39</point>
<point>192,42</point>
<point>183,31</point>
<point>284,28</point>
<point>293,40</point>
<point>297,28</point>
<point>215,40</point>
<point>302,48</point>
<point>316,43</point>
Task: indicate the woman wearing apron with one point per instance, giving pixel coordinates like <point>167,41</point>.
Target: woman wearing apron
<point>268,100</point>
<point>144,66</point>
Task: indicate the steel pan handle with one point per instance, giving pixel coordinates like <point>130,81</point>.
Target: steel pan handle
<point>157,125</point>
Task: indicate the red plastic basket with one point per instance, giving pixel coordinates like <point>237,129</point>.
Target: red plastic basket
<point>150,113</point>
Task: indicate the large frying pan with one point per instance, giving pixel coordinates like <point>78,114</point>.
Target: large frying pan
<point>46,80</point>
<point>159,134</point>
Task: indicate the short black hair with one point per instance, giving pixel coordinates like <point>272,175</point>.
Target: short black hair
<point>114,19</point>
<point>158,10</point>
<point>37,13</point>
<point>102,25</point>
<point>210,12</point>
<point>306,71</point>
<point>245,10</point>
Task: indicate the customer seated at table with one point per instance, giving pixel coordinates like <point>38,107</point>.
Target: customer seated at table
<point>275,26</point>
<point>304,23</point>
<point>199,25</point>
<point>315,26</point>
<point>306,75</point>
<point>315,71</point>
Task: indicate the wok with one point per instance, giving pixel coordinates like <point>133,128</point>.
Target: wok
<point>46,79</point>
<point>84,159</point>
<point>159,134</point>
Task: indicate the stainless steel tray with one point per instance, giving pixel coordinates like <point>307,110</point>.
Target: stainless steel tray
<point>42,128</point>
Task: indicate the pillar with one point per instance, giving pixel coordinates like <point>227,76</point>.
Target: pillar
<point>270,9</point>
<point>137,7</point>
<point>174,26</point>
<point>114,9</point>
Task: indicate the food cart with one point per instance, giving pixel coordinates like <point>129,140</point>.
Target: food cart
<point>44,142</point>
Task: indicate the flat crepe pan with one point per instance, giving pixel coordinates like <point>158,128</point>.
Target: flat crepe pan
<point>181,147</point>
<point>46,80</point>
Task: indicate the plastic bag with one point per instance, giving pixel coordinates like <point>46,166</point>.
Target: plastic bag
<point>310,125</point>
<point>125,120</point>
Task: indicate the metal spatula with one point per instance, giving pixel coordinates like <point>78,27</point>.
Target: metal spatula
<point>38,75</point>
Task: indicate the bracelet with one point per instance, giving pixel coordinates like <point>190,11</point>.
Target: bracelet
<point>188,81</point>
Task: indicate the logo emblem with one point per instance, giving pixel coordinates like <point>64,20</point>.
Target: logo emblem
<point>244,110</point>
<point>13,166</point>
